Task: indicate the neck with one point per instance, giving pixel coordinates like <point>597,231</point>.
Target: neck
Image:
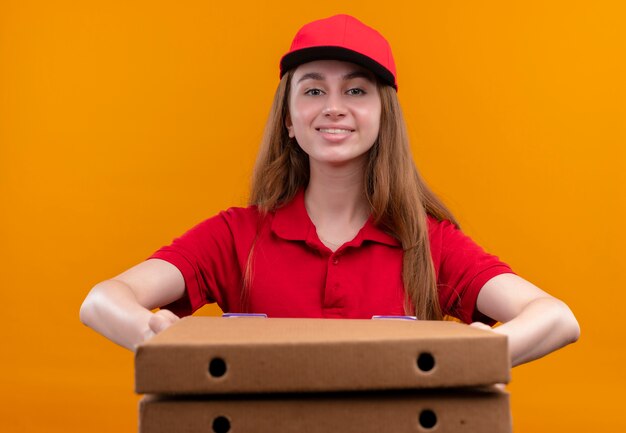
<point>336,195</point>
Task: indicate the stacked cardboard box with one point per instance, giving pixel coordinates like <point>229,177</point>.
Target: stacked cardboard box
<point>208,374</point>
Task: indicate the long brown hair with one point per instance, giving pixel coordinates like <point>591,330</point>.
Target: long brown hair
<point>400,200</point>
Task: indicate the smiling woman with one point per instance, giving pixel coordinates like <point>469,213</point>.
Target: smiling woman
<point>334,112</point>
<point>338,210</point>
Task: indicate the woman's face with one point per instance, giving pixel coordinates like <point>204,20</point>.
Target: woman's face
<point>334,111</point>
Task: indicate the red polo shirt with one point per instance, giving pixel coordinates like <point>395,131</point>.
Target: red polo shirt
<point>295,275</point>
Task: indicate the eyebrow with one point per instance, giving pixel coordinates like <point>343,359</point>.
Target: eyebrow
<point>351,75</point>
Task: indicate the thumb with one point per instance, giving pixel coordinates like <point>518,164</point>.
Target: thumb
<point>162,320</point>
<point>481,325</point>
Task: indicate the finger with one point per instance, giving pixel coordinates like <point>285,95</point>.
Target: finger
<point>157,323</point>
<point>161,321</point>
<point>481,325</point>
<point>168,315</point>
<point>148,334</point>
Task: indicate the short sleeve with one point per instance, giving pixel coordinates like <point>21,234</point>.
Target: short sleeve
<point>462,268</point>
<point>205,255</point>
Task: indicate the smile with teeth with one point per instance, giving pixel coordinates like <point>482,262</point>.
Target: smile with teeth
<point>334,130</point>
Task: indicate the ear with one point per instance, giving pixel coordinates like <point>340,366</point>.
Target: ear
<point>289,126</point>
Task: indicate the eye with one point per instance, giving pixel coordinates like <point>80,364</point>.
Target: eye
<point>356,91</point>
<point>313,92</point>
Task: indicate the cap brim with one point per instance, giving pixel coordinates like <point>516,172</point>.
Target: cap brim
<point>305,55</point>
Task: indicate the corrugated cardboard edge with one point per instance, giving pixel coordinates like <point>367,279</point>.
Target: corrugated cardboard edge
<point>460,410</point>
<point>315,359</point>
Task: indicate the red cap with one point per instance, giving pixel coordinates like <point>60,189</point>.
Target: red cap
<point>342,37</point>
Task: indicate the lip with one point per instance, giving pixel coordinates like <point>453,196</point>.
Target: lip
<point>334,127</point>
<point>335,138</point>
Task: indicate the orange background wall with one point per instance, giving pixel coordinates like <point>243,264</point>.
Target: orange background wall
<point>122,124</point>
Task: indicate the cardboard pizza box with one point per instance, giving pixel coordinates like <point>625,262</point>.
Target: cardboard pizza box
<point>213,355</point>
<point>453,411</point>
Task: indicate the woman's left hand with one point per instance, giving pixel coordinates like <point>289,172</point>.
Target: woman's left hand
<point>481,325</point>
<point>534,322</point>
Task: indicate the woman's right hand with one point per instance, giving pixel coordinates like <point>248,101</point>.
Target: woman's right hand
<point>160,321</point>
<point>120,308</point>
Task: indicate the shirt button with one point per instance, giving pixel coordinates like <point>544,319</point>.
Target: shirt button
<point>335,261</point>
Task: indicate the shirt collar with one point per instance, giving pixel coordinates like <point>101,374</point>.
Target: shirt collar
<point>292,222</point>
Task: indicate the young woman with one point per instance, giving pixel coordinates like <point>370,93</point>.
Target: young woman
<point>340,222</point>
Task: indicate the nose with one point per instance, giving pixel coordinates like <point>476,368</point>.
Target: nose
<point>334,106</point>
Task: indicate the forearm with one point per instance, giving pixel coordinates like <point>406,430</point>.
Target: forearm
<point>112,309</point>
<point>543,326</point>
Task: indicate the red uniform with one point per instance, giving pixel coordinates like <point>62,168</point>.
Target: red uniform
<point>295,275</point>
